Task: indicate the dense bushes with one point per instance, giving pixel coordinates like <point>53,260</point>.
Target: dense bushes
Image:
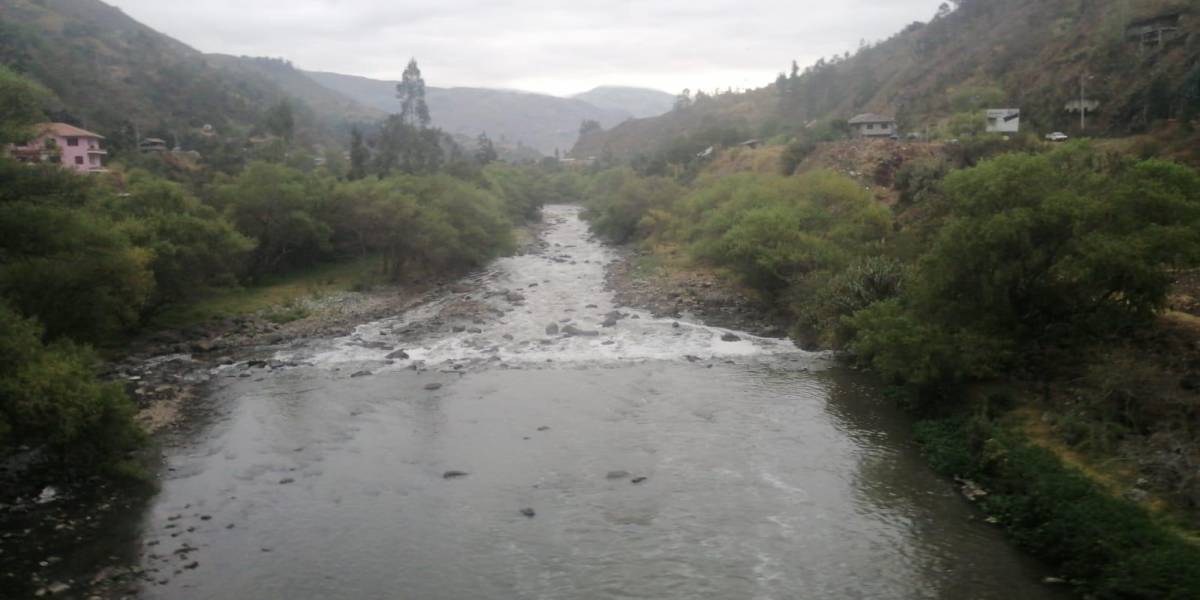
<point>49,395</point>
<point>1040,252</point>
<point>624,206</point>
<point>1105,546</point>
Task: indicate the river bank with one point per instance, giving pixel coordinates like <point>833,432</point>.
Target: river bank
<point>656,450</point>
<point>1013,448</point>
<point>49,524</point>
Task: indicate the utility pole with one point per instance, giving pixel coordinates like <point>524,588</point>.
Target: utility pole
<point>1082,107</point>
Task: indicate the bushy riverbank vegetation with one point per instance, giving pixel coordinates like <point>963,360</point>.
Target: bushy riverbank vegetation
<point>1021,267</point>
<point>92,260</point>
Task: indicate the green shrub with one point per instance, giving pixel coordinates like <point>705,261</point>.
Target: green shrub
<point>1108,547</point>
<point>50,395</point>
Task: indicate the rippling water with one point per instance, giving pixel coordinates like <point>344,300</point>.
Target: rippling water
<point>768,473</point>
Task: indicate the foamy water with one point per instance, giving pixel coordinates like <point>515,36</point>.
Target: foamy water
<point>561,286</point>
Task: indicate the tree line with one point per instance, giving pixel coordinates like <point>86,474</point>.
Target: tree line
<point>91,260</point>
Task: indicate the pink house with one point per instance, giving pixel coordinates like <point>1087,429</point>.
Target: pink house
<point>59,143</point>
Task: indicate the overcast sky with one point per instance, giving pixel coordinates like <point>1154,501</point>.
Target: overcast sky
<point>559,47</point>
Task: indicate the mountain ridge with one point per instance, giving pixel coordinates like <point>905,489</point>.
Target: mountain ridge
<point>541,121</point>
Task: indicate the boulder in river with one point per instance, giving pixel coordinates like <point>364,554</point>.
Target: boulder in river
<point>575,331</point>
<point>552,329</point>
<point>399,354</point>
<point>529,512</point>
<point>729,337</point>
<point>361,374</point>
<point>433,387</point>
<point>637,480</point>
<point>454,474</point>
<point>609,322</point>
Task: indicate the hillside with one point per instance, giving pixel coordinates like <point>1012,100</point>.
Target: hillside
<point>540,121</point>
<point>1029,54</point>
<point>638,102</point>
<point>296,84</point>
<point>112,74</point>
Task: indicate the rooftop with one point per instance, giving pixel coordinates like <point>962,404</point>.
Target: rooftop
<point>65,130</point>
<point>870,118</point>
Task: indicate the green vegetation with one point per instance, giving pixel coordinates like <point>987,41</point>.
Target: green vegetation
<point>1105,547</point>
<point>93,260</point>
<point>1042,254</point>
<point>50,396</point>
<point>1017,266</point>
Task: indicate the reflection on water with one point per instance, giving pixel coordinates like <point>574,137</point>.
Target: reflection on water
<point>767,474</point>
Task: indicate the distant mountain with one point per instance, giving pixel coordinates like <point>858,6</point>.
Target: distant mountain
<point>639,102</point>
<point>116,76</point>
<point>509,117</point>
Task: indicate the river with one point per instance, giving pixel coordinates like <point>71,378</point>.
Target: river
<point>656,459</point>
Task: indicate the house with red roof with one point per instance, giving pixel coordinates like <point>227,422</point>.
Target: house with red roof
<point>59,143</point>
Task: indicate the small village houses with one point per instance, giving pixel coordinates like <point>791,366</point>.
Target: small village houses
<point>872,125</point>
<point>59,143</point>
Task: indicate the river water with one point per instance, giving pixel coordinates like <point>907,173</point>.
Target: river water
<point>768,472</point>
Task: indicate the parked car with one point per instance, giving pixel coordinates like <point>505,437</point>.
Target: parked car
<point>1057,136</point>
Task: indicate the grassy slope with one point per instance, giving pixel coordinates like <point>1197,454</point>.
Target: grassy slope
<point>272,296</point>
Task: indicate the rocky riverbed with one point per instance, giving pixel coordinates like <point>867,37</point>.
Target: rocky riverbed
<point>693,293</point>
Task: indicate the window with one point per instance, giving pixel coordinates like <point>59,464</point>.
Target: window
<point>72,141</point>
<point>79,160</point>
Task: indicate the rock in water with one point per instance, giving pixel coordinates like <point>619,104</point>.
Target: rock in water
<point>637,480</point>
<point>454,474</point>
<point>575,331</point>
<point>729,337</point>
<point>432,387</point>
<point>528,512</point>
<point>552,329</point>
<point>398,354</point>
<point>361,374</point>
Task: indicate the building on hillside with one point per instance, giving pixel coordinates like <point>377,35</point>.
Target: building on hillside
<point>1154,31</point>
<point>873,125</point>
<point>153,145</point>
<point>1003,120</point>
<point>59,143</point>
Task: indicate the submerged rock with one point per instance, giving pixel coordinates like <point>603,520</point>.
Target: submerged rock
<point>729,337</point>
<point>552,329</point>
<point>575,331</point>
<point>399,354</point>
<point>529,512</point>
<point>431,387</point>
<point>454,474</point>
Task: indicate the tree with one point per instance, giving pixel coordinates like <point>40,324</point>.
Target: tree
<point>588,126</point>
<point>411,92</point>
<point>358,155</point>
<point>281,120</point>
<point>486,153</point>
<point>20,106</point>
<point>279,208</point>
<point>1042,253</point>
<point>51,397</point>
<point>683,100</point>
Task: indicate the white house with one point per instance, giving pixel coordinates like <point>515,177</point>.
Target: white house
<point>873,125</point>
<point>1003,120</point>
